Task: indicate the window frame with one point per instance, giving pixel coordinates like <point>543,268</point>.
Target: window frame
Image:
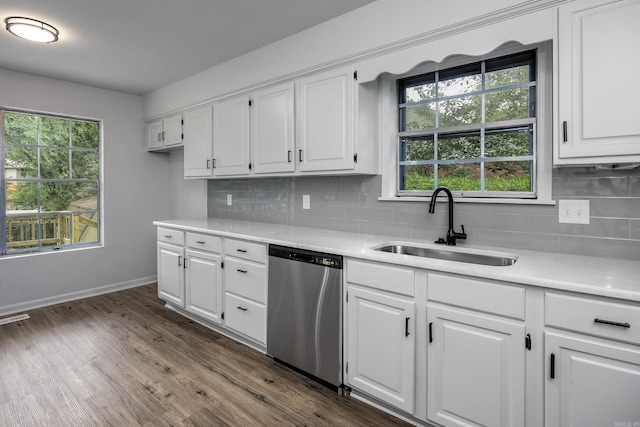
<point>5,252</point>
<point>542,162</point>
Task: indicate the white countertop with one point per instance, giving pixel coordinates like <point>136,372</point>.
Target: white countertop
<point>591,275</point>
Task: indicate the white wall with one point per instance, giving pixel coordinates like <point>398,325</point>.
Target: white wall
<point>188,196</point>
<point>135,195</point>
<point>360,33</point>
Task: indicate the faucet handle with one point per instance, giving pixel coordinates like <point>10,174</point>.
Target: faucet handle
<point>462,235</point>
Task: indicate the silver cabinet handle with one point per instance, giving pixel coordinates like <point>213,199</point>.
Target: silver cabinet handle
<point>208,164</point>
<point>168,237</point>
<point>200,242</point>
<point>159,136</point>
<point>163,138</point>
<point>242,308</point>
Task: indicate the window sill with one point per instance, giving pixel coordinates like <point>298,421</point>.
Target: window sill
<point>472,200</point>
<point>14,255</point>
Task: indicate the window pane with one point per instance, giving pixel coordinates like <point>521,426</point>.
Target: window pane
<point>54,132</point>
<point>84,164</point>
<point>420,92</point>
<point>20,128</point>
<point>460,111</point>
<point>421,116</point>
<point>85,134</point>
<point>507,77</point>
<point>55,229</point>
<point>21,162</point>
<point>416,149</point>
<point>22,196</point>
<point>460,177</point>
<point>85,228</point>
<point>459,146</point>
<point>60,196</point>
<point>22,230</point>
<point>508,176</point>
<point>418,177</point>
<point>54,163</point>
<point>460,84</point>
<point>508,142</point>
<point>507,105</point>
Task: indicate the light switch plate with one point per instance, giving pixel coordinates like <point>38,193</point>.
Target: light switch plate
<point>306,201</point>
<point>229,199</point>
<point>573,211</point>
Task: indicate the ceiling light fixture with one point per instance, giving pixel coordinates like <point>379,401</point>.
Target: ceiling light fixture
<point>31,29</point>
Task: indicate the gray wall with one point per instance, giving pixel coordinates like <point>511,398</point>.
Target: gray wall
<point>351,204</point>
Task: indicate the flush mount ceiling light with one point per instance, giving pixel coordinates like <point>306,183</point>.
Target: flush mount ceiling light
<point>31,29</point>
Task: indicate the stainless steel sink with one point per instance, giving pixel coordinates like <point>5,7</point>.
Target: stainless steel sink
<point>486,258</point>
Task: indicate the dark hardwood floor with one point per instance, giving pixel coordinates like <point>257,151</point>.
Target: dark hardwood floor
<point>122,359</point>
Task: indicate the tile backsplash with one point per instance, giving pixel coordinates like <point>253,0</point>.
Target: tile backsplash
<point>351,203</point>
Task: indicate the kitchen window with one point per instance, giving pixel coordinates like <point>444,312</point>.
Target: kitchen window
<point>474,126</point>
<point>50,182</point>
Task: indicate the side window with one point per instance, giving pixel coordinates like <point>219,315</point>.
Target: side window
<point>51,191</point>
<point>471,128</point>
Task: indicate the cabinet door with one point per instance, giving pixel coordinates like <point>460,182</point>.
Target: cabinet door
<point>272,130</point>
<point>154,135</point>
<point>170,274</point>
<point>381,346</point>
<point>326,121</point>
<point>596,382</point>
<point>198,143</point>
<point>598,55</point>
<point>172,131</point>
<point>476,369</point>
<point>203,275</point>
<point>231,137</point>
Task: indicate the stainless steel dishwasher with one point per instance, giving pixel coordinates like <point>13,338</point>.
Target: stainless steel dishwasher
<point>304,314</point>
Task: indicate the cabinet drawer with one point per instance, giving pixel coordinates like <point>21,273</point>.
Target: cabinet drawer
<point>386,277</point>
<point>252,251</point>
<point>480,295</point>
<point>247,317</point>
<point>579,314</point>
<point>171,236</point>
<point>246,279</point>
<point>204,242</point>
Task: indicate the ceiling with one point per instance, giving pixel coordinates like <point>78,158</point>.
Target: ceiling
<point>137,46</point>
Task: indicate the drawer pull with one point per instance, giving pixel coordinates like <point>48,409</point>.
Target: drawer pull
<point>242,308</point>
<point>241,271</point>
<point>200,242</point>
<point>609,322</point>
<point>168,236</point>
<point>242,250</point>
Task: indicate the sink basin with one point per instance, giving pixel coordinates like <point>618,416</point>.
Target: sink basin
<point>475,257</point>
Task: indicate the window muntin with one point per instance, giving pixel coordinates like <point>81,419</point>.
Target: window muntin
<point>51,182</point>
<point>471,128</point>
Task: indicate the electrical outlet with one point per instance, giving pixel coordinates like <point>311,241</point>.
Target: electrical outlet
<point>573,211</point>
<point>306,201</point>
<point>229,200</point>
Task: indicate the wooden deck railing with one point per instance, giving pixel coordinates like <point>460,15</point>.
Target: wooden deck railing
<point>23,229</point>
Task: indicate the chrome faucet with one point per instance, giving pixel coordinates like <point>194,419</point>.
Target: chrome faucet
<point>452,235</point>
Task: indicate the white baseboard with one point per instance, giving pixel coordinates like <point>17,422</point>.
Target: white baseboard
<point>71,296</point>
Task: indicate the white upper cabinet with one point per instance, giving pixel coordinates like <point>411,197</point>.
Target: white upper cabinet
<point>326,115</point>
<point>165,133</point>
<point>231,137</point>
<point>272,129</point>
<point>598,57</point>
<point>198,143</point>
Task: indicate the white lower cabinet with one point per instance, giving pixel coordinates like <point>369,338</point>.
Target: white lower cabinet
<point>381,346</point>
<point>475,352</point>
<point>221,281</point>
<point>203,285</point>
<point>476,369</point>
<point>591,382</point>
<point>170,273</point>
<point>592,361</point>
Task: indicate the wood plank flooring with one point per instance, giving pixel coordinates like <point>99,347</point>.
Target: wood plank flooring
<point>122,359</point>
